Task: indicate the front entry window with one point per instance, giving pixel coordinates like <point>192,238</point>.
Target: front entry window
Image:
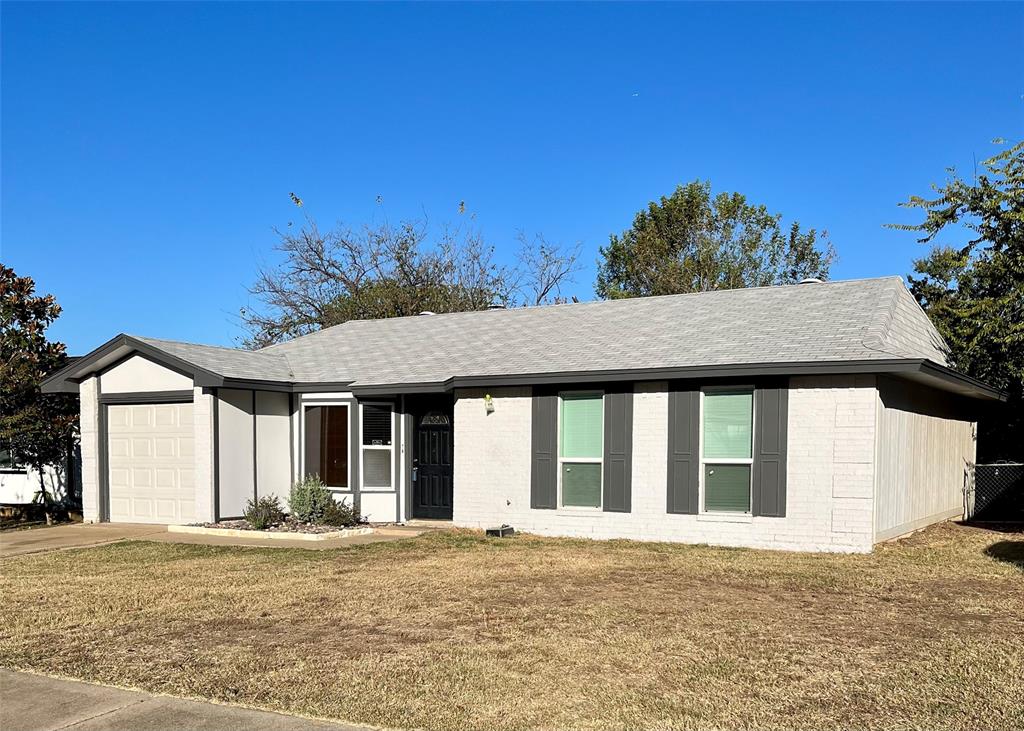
<point>377,438</point>
<point>326,448</point>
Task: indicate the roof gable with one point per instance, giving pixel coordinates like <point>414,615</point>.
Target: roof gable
<point>207,365</point>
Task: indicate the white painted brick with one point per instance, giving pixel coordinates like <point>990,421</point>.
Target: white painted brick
<point>203,415</point>
<point>88,401</point>
<point>855,480</point>
<point>831,442</point>
<point>854,446</point>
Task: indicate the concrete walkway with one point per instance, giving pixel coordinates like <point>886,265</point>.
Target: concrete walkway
<point>81,535</point>
<point>38,703</point>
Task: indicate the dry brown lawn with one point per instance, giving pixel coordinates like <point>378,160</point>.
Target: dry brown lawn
<point>454,631</point>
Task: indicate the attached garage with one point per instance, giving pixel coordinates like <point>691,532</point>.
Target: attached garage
<point>151,463</point>
<point>175,434</point>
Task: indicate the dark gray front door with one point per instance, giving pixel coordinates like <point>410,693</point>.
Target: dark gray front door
<point>432,463</point>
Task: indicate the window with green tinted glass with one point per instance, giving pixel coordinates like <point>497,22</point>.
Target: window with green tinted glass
<point>727,487</point>
<point>728,424</point>
<point>580,448</point>
<point>727,442</point>
<point>581,484</point>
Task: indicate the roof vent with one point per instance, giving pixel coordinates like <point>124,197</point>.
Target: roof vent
<point>496,307</point>
<point>427,312</point>
<point>811,280</point>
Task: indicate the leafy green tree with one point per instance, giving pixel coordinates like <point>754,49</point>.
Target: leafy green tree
<point>695,241</point>
<point>974,290</point>
<point>37,428</point>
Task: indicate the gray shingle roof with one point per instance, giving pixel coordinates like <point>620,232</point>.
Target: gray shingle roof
<point>228,362</point>
<point>867,319</point>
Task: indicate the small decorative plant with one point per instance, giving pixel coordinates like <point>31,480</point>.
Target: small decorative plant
<point>309,500</point>
<point>340,514</point>
<point>264,513</point>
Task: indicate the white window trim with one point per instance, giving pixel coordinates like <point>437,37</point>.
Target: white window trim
<point>726,460</point>
<point>302,444</point>
<point>379,447</point>
<point>579,460</point>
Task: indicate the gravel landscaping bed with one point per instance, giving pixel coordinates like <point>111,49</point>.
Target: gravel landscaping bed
<point>288,526</point>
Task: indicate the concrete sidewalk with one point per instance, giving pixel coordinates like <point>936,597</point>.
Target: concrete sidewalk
<point>38,703</point>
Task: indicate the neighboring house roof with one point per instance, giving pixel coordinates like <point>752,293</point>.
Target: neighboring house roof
<point>867,325</point>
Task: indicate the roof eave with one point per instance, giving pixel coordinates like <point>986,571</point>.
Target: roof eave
<point>941,376</point>
<point>68,378</point>
<point>961,382</point>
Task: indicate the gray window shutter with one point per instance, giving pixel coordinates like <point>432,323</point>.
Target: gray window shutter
<point>771,409</point>
<point>544,467</point>
<point>683,446</point>
<point>618,450</point>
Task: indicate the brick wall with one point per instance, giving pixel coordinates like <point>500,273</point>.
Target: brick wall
<point>830,472</point>
<point>202,412</point>
<point>88,402</point>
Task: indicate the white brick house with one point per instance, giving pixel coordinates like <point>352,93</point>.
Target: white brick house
<point>817,417</point>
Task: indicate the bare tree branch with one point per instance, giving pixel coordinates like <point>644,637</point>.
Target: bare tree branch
<point>544,268</point>
<point>390,271</point>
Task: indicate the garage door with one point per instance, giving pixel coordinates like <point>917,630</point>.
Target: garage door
<point>151,463</point>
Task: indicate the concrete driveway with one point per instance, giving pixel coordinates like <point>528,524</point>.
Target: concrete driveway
<point>38,703</point>
<point>72,535</point>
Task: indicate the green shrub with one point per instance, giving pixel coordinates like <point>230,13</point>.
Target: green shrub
<point>309,500</point>
<point>263,513</point>
<point>340,514</point>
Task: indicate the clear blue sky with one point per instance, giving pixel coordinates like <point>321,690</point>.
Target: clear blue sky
<point>148,149</point>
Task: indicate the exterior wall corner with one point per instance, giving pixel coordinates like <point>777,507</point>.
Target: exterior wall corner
<point>204,455</point>
<point>89,426</point>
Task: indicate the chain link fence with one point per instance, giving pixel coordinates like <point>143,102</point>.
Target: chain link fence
<point>995,492</point>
